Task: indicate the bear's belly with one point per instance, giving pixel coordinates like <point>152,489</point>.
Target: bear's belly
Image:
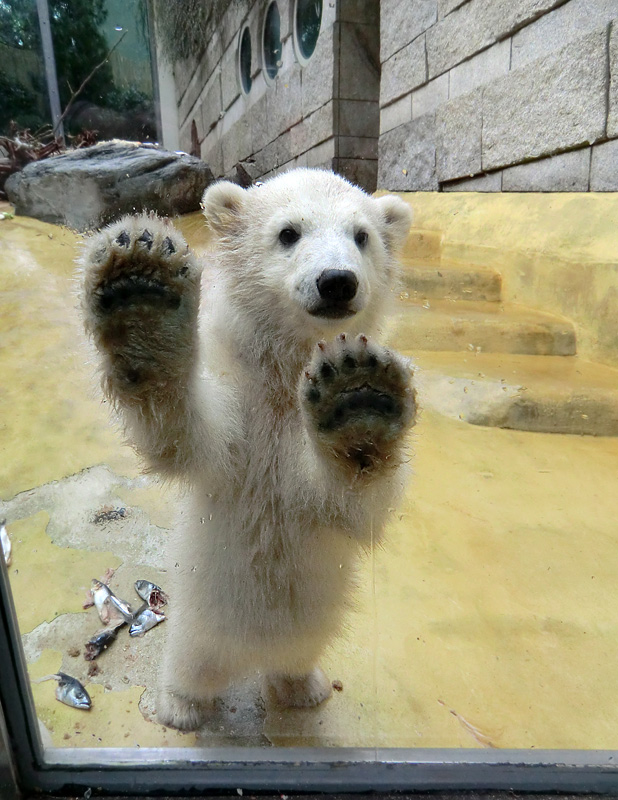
<point>262,580</point>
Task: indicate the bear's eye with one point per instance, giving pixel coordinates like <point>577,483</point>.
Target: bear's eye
<point>361,238</point>
<point>289,236</point>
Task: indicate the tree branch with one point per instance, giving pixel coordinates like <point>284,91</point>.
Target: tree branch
<point>84,82</point>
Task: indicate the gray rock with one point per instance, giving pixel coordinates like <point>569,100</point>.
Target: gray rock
<point>358,147</point>
<point>431,96</point>
<point>552,104</point>
<point>210,107</point>
<point>230,80</point>
<point>87,188</point>
<point>258,121</point>
<point>285,109</point>
<point>236,144</point>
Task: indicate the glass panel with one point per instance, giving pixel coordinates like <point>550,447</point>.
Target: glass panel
<point>345,549</point>
<point>102,74</point>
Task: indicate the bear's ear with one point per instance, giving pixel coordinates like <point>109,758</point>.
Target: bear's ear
<point>221,204</point>
<point>397,217</point>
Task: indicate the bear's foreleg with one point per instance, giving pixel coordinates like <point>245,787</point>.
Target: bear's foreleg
<point>141,298</point>
<point>358,401</point>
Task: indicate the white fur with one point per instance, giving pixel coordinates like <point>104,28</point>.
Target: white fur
<point>262,560</point>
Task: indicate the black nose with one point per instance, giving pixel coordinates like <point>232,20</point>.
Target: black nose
<point>337,285</point>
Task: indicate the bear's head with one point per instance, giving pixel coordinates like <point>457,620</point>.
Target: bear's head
<point>306,253</point>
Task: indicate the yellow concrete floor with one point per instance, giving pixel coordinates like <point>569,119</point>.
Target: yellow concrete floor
<point>489,618</point>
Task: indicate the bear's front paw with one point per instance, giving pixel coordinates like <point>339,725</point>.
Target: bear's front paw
<point>177,711</point>
<point>137,262</point>
<point>141,297</point>
<point>358,399</point>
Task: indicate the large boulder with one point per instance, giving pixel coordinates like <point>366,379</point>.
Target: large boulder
<point>92,186</point>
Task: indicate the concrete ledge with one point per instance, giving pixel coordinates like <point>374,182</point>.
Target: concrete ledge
<point>450,281</point>
<point>482,327</point>
<point>541,394</point>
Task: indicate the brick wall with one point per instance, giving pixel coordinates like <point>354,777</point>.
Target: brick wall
<point>507,95</point>
<point>325,113</point>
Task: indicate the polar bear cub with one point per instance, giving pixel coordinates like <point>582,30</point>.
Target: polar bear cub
<point>253,377</point>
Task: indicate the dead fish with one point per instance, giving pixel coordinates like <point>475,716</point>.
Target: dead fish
<point>151,594</point>
<point>122,607</point>
<point>110,607</point>
<point>101,641</point>
<point>69,691</point>
<point>6,543</point>
<point>100,593</point>
<point>145,619</point>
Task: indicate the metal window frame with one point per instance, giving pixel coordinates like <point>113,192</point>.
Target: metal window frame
<point>154,770</point>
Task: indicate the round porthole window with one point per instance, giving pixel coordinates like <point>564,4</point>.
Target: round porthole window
<point>244,60</point>
<point>307,21</point>
<point>271,42</point>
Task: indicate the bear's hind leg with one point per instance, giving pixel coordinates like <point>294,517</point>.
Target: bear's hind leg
<point>302,691</point>
<point>190,683</point>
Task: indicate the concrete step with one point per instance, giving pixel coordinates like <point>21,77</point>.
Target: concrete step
<point>442,279</point>
<point>422,244</point>
<point>546,394</point>
<point>480,327</point>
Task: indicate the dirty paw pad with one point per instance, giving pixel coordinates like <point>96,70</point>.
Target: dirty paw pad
<point>138,261</point>
<point>136,290</point>
<point>356,391</point>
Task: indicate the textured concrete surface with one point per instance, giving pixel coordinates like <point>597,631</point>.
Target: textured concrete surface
<point>492,600</point>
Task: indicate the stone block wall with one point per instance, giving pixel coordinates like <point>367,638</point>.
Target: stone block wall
<point>507,95</point>
<point>323,114</point>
